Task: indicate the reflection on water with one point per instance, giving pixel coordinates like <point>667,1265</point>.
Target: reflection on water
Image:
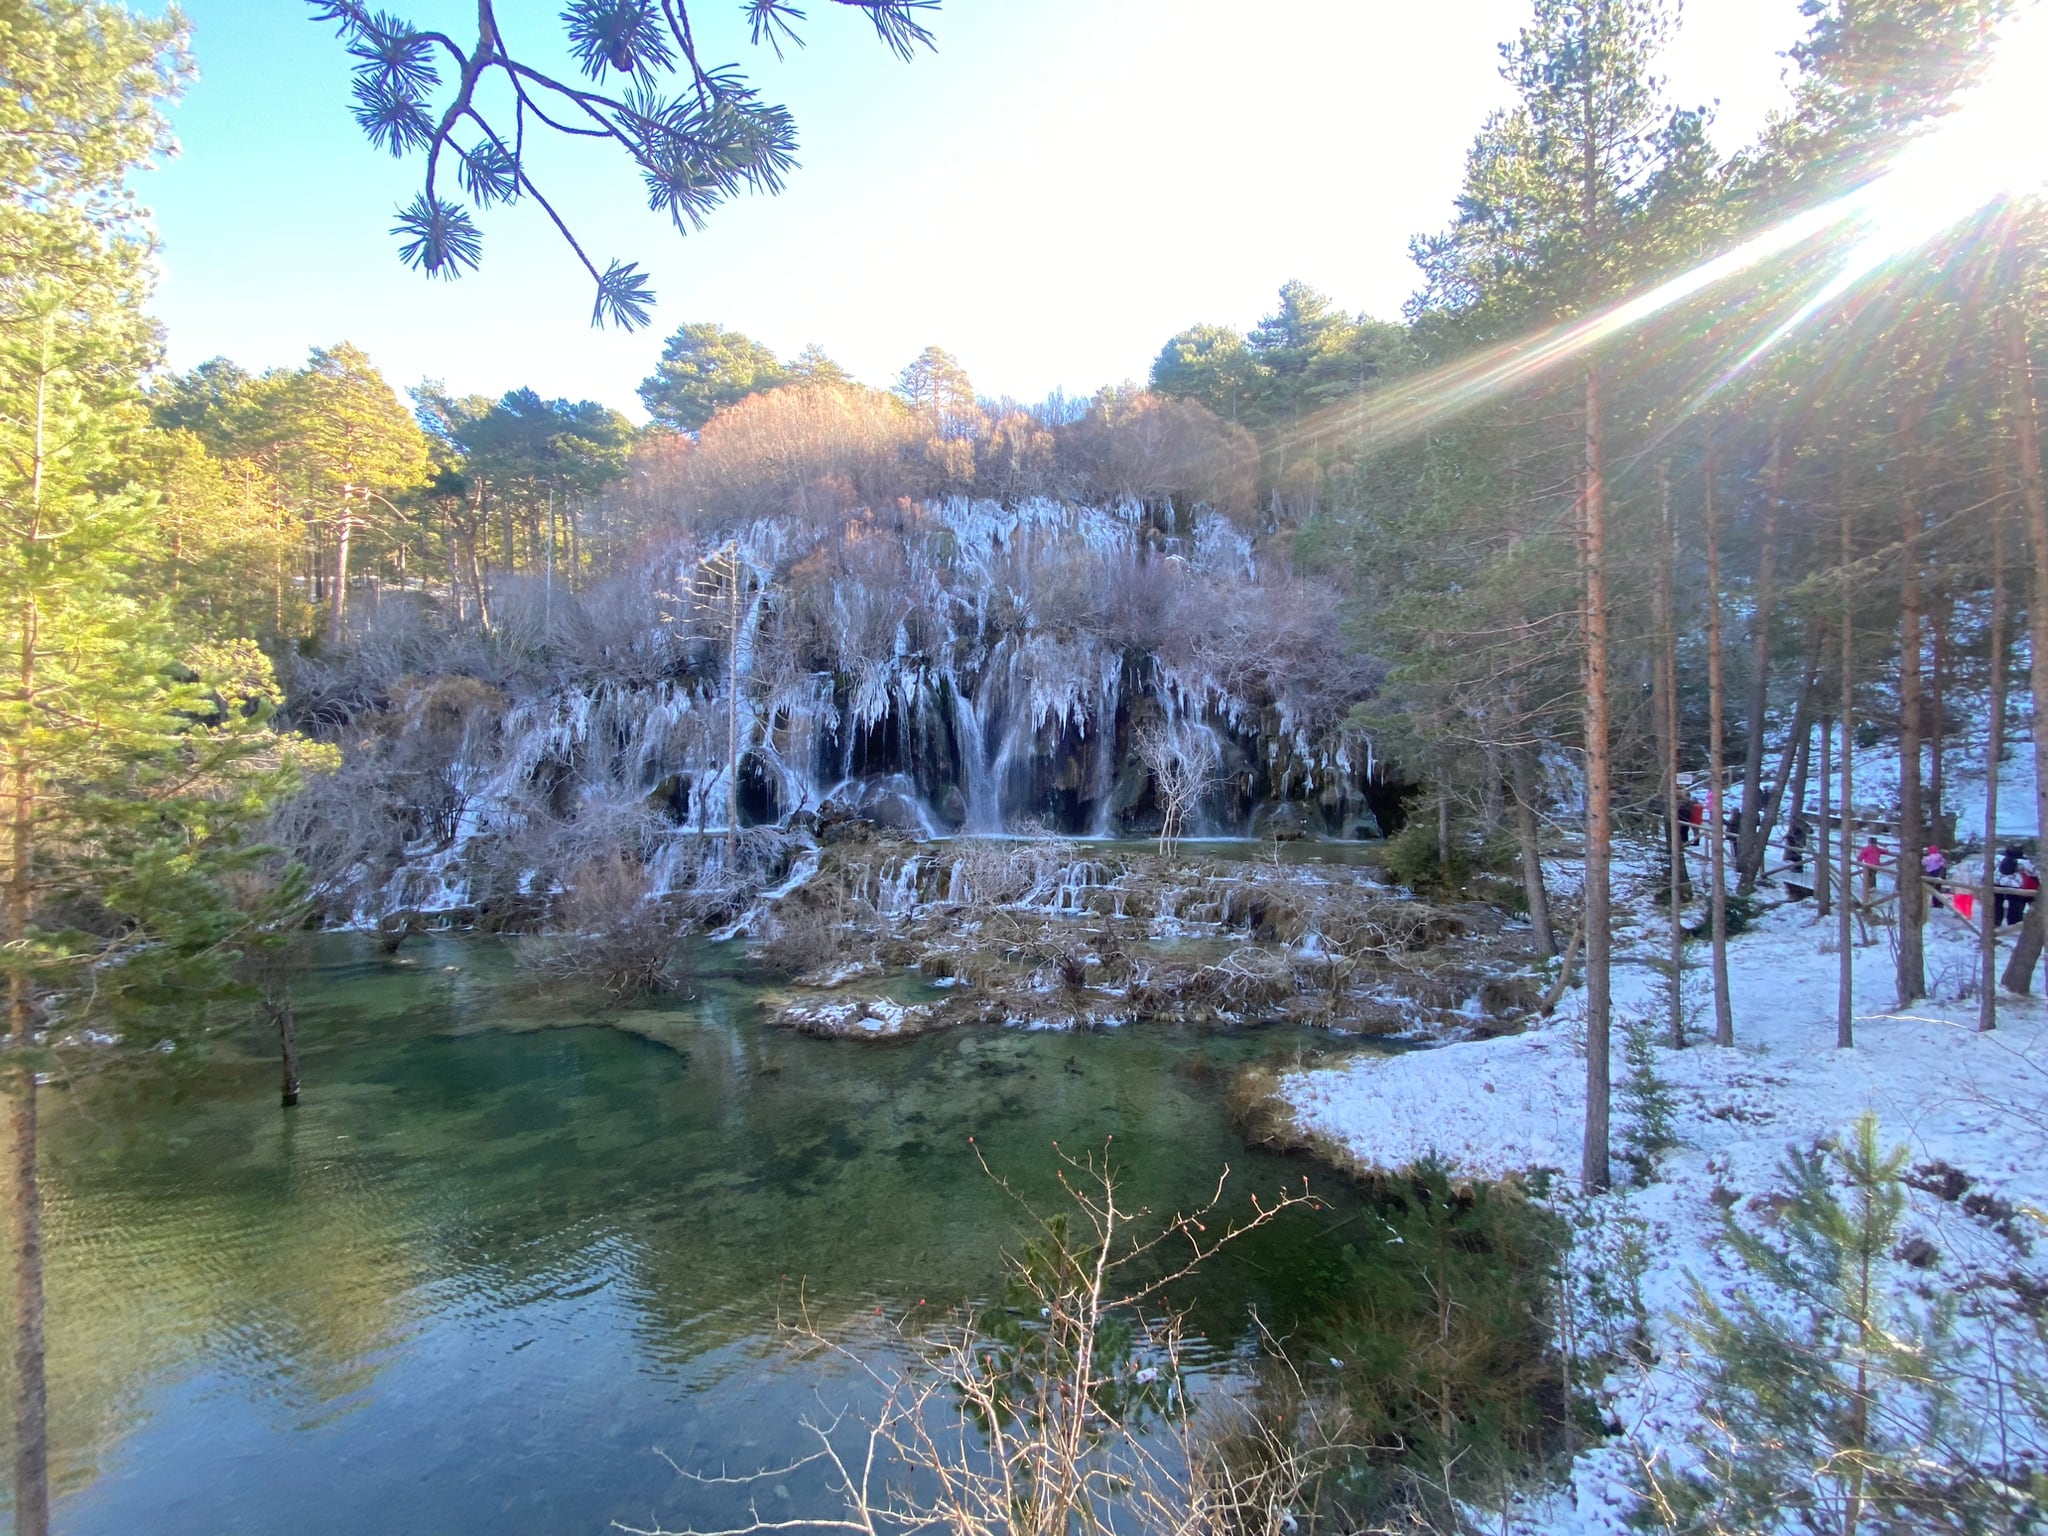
<point>490,1263</point>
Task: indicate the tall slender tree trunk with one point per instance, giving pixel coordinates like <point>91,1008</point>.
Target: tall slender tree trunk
<point>452,546</point>
<point>1443,832</point>
<point>1940,620</point>
<point>1749,853</point>
<point>25,1200</point>
<point>2026,440</point>
<point>1792,751</point>
<point>1987,981</point>
<point>732,781</point>
<point>337,608</point>
<point>1665,700</point>
<point>1803,760</point>
<point>1912,907</point>
<point>1717,701</point>
<point>1595,1167</point>
<point>1824,863</point>
<point>1528,835</point>
<point>31,1390</point>
<point>1845,978</point>
<point>479,575</point>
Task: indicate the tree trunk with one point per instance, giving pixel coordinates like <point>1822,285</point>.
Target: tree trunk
<point>1443,834</point>
<point>1912,904</point>
<point>1717,831</point>
<point>1665,700</point>
<point>1845,978</point>
<point>1802,764</point>
<point>2026,950</point>
<point>453,541</point>
<point>279,1007</point>
<point>1795,739</point>
<point>732,782</point>
<point>1595,1168</point>
<point>31,1392</point>
<point>1824,862</point>
<point>337,609</point>
<point>1529,835</point>
<point>1750,850</point>
<point>477,531</point>
<point>1987,981</point>
<point>1940,618</point>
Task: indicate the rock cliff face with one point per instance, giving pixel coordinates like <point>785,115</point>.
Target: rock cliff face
<point>943,669</point>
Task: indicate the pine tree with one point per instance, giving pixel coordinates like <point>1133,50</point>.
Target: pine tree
<point>132,767</point>
<point>703,368</point>
<point>360,448</point>
<point>1825,1383</point>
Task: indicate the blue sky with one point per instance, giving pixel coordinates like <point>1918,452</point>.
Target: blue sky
<point>1052,194</point>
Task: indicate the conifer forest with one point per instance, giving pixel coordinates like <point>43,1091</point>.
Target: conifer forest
<point>1422,921</point>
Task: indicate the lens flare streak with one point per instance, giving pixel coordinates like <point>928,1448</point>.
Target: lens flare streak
<point>1994,143</point>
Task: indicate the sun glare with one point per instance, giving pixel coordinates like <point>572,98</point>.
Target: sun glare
<point>1994,143</point>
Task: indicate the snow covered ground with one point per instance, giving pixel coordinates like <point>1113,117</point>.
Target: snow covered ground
<point>1978,1102</point>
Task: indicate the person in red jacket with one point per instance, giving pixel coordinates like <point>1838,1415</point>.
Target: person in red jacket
<point>1870,856</point>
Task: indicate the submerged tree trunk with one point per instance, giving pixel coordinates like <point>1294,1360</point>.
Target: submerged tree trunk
<point>279,1006</point>
<point>1595,1168</point>
<point>1717,892</point>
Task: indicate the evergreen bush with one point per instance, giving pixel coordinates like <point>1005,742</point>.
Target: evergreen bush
<point>1829,1389</point>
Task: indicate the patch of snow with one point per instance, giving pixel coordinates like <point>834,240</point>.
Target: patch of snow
<point>1497,1106</point>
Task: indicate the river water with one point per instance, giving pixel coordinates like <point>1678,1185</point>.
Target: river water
<point>506,1250</point>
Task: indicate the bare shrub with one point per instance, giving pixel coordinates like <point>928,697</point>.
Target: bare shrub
<point>808,932</point>
<point>1001,873</point>
<point>815,452</point>
<point>1155,448</point>
<point>400,793</point>
<point>612,934</point>
<point>1063,1407</point>
<point>1182,760</point>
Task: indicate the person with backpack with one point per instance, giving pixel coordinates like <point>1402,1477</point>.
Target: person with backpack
<point>1795,845</point>
<point>2007,905</point>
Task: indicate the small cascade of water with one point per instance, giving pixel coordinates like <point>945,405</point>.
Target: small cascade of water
<point>894,888</point>
<point>1102,782</point>
<point>984,802</point>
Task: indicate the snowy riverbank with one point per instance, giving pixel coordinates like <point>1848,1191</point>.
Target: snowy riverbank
<point>1976,1102</point>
